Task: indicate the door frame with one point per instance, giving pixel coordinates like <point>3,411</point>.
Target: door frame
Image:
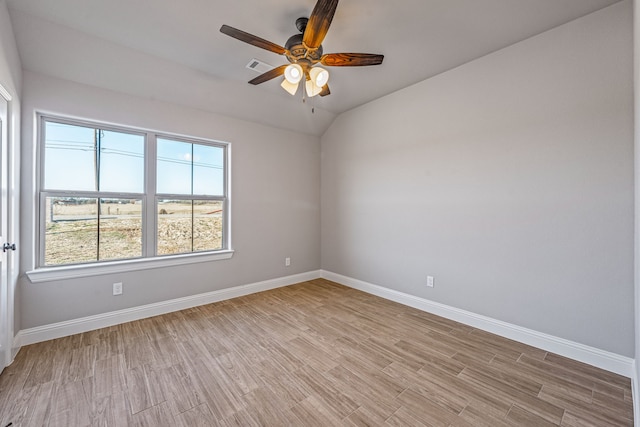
<point>10,165</point>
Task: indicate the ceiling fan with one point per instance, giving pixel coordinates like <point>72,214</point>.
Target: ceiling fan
<point>305,54</point>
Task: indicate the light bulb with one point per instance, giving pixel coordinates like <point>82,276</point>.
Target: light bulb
<point>319,76</point>
<point>293,73</point>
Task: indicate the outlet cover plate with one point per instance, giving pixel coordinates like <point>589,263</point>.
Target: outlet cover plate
<point>117,288</point>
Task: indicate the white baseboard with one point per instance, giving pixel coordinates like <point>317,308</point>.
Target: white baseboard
<point>15,348</point>
<point>90,323</point>
<point>593,356</point>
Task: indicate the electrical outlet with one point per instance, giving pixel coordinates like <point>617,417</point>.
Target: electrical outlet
<point>430,281</point>
<point>117,288</point>
<point>287,262</point>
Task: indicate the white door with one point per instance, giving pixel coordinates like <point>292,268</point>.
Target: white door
<point>5,312</point>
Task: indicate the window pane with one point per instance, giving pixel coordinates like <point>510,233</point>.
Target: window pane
<point>207,225</point>
<point>189,226</point>
<point>70,157</point>
<point>174,167</point>
<point>120,229</point>
<point>208,170</point>
<point>71,230</point>
<point>175,226</point>
<point>121,162</point>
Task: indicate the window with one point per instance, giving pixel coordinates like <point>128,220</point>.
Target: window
<point>109,193</point>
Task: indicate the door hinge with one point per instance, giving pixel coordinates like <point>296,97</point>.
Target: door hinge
<point>8,246</point>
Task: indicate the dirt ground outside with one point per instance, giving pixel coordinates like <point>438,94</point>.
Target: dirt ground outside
<point>74,234</point>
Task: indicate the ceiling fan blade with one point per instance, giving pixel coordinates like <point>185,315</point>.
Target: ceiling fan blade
<point>319,22</point>
<point>251,39</point>
<point>351,59</point>
<point>325,91</point>
<point>271,74</point>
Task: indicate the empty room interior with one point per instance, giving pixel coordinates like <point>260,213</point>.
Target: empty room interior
<point>312,212</point>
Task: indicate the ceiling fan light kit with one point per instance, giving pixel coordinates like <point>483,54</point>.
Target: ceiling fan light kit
<point>314,84</point>
<point>304,52</point>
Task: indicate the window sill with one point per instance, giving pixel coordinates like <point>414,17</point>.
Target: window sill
<point>48,274</point>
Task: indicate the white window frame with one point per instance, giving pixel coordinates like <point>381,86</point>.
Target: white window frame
<point>150,198</point>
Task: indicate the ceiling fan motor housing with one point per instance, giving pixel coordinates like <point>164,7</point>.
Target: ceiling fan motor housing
<point>297,49</point>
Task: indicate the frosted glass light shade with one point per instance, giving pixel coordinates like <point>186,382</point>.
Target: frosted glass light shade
<point>312,89</point>
<point>292,88</point>
<point>293,73</point>
<point>319,76</point>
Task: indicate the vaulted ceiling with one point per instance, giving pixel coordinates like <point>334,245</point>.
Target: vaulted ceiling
<point>173,51</point>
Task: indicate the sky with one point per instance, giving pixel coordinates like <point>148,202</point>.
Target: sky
<point>182,167</point>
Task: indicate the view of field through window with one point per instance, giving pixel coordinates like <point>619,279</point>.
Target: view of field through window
<point>189,226</point>
<point>95,203</point>
<point>77,232</point>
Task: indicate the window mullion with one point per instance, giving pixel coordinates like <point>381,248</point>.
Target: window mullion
<point>150,226</point>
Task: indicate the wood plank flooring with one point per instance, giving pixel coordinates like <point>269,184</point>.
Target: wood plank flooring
<point>311,354</point>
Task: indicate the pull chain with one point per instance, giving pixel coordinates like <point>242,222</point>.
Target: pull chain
<point>304,101</point>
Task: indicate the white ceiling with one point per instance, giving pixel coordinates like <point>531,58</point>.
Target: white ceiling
<point>173,51</point>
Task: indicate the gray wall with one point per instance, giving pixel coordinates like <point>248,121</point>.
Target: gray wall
<point>275,203</point>
<point>509,179</point>
<point>10,67</point>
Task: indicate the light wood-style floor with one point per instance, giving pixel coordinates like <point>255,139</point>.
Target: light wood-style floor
<point>312,354</point>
